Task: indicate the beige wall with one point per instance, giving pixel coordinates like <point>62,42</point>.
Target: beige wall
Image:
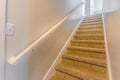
<point>32,18</point>
<point>112,21</point>
<point>2,38</point>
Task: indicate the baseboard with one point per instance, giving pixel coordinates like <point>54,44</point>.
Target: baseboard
<point>107,52</point>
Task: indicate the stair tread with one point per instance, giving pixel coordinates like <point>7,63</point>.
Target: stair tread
<point>92,21</point>
<point>88,41</point>
<point>89,60</point>
<point>89,35</point>
<point>87,49</point>
<point>80,72</point>
<point>90,24</point>
<point>94,26</point>
<point>90,30</point>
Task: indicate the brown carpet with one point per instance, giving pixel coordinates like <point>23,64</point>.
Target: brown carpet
<point>85,58</point>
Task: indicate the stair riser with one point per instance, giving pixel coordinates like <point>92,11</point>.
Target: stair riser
<point>89,32</point>
<point>87,54</point>
<point>92,45</point>
<point>89,37</point>
<point>77,64</point>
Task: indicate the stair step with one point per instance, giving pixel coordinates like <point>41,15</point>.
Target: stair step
<point>85,53</point>
<point>92,19</point>
<point>88,43</point>
<point>91,27</point>
<point>78,61</point>
<point>91,31</point>
<point>89,37</point>
<point>80,73</point>
<point>95,23</point>
<point>63,76</point>
<point>87,60</point>
<point>89,21</point>
<point>86,49</point>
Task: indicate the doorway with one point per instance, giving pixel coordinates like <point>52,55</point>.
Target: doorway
<point>93,7</point>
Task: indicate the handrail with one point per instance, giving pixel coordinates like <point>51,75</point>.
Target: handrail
<point>15,59</point>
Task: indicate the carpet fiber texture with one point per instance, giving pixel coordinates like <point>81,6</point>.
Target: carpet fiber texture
<point>85,57</point>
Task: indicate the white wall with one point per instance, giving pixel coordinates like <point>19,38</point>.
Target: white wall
<point>2,38</point>
<point>98,5</point>
<point>32,18</point>
<point>111,5</point>
<point>112,21</point>
<point>87,8</point>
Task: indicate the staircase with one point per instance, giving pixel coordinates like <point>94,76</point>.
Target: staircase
<point>85,58</point>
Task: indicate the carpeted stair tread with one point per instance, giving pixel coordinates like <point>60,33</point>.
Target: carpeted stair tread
<point>94,23</point>
<point>89,36</point>
<point>91,27</point>
<point>80,73</point>
<point>63,76</point>
<point>87,21</point>
<point>82,26</point>
<point>89,60</point>
<point>86,49</point>
<point>90,19</point>
<point>93,20</point>
<point>87,41</point>
<point>90,24</point>
<point>90,30</point>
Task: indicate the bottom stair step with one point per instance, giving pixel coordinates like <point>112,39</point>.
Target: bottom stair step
<point>80,73</point>
<point>63,76</point>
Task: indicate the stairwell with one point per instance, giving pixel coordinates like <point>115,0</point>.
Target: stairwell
<point>85,57</point>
